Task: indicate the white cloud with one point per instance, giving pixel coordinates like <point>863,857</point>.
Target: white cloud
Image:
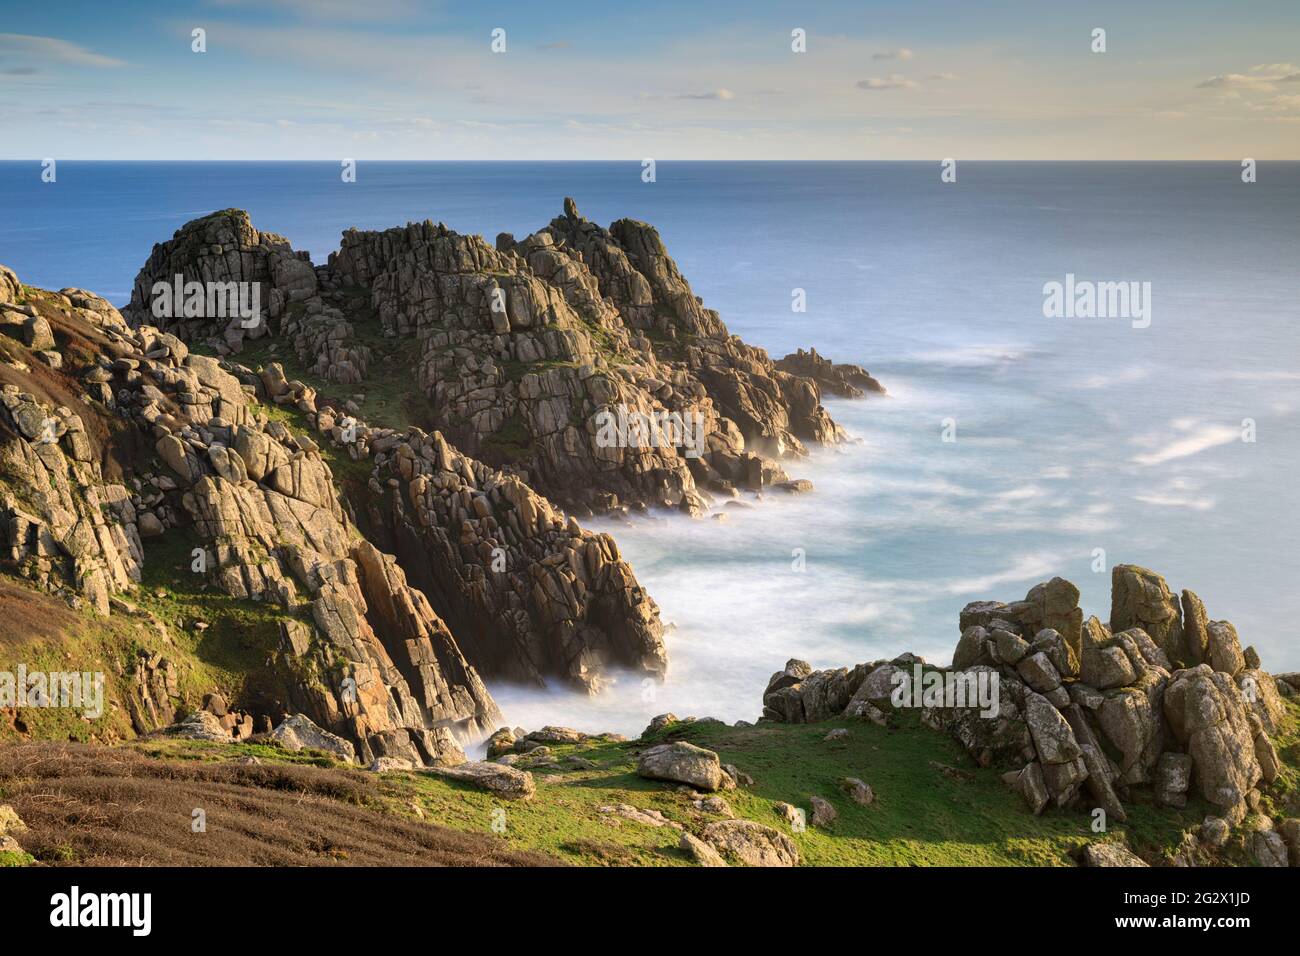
<point>53,49</point>
<point>902,53</point>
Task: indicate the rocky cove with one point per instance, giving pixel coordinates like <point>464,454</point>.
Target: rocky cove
<point>378,489</point>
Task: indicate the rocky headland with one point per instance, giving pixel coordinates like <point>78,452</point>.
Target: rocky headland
<point>308,535</point>
<point>401,562</point>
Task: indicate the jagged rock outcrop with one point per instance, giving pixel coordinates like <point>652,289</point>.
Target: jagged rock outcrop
<point>363,653</point>
<point>575,362</point>
<point>63,522</point>
<point>1209,718</point>
<point>1140,599</point>
<point>1079,713</point>
<point>577,358</point>
<point>842,379</point>
<point>527,591</point>
<point>219,249</point>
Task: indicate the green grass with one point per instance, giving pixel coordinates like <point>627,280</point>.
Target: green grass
<point>230,655</point>
<point>921,816</point>
<point>179,748</point>
<point>512,440</point>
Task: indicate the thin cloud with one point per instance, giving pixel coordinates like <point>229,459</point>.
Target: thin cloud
<point>894,81</point>
<point>902,53</point>
<point>720,94</point>
<point>55,50</point>
<point>1263,77</point>
<point>349,10</point>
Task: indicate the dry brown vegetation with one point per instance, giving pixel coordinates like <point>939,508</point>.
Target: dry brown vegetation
<point>87,805</point>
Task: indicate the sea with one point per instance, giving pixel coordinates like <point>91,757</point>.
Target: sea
<point>1020,440</point>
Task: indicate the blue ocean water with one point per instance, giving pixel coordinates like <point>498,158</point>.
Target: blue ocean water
<point>1072,435</point>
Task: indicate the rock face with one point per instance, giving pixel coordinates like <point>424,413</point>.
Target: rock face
<point>1140,599</point>
<point>575,364</point>
<point>363,654</point>
<point>1208,716</point>
<point>528,593</point>
<point>529,349</point>
<point>63,520</point>
<point>1085,714</point>
<point>682,762</point>
<point>223,247</point>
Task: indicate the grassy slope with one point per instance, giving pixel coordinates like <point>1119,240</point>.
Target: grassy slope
<point>922,816</point>
<point>228,655</point>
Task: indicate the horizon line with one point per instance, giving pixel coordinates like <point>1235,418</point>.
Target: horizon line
<point>337,159</point>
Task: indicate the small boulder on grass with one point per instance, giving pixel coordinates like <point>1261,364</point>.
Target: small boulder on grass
<point>505,782</point>
<point>741,778</point>
<point>716,805</point>
<point>501,742</point>
<point>557,735</point>
<point>682,762</point>
<point>658,723</point>
<point>1110,854</point>
<point>750,843</point>
<point>790,814</point>
<point>299,732</point>
<point>823,813</point>
<point>859,791</point>
<point>699,851</point>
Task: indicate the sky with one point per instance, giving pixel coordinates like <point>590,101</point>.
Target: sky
<point>397,79</point>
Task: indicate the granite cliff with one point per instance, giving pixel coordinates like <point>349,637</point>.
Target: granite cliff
<point>219,424</point>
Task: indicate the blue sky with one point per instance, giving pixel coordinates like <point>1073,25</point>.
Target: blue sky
<point>396,79</point>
